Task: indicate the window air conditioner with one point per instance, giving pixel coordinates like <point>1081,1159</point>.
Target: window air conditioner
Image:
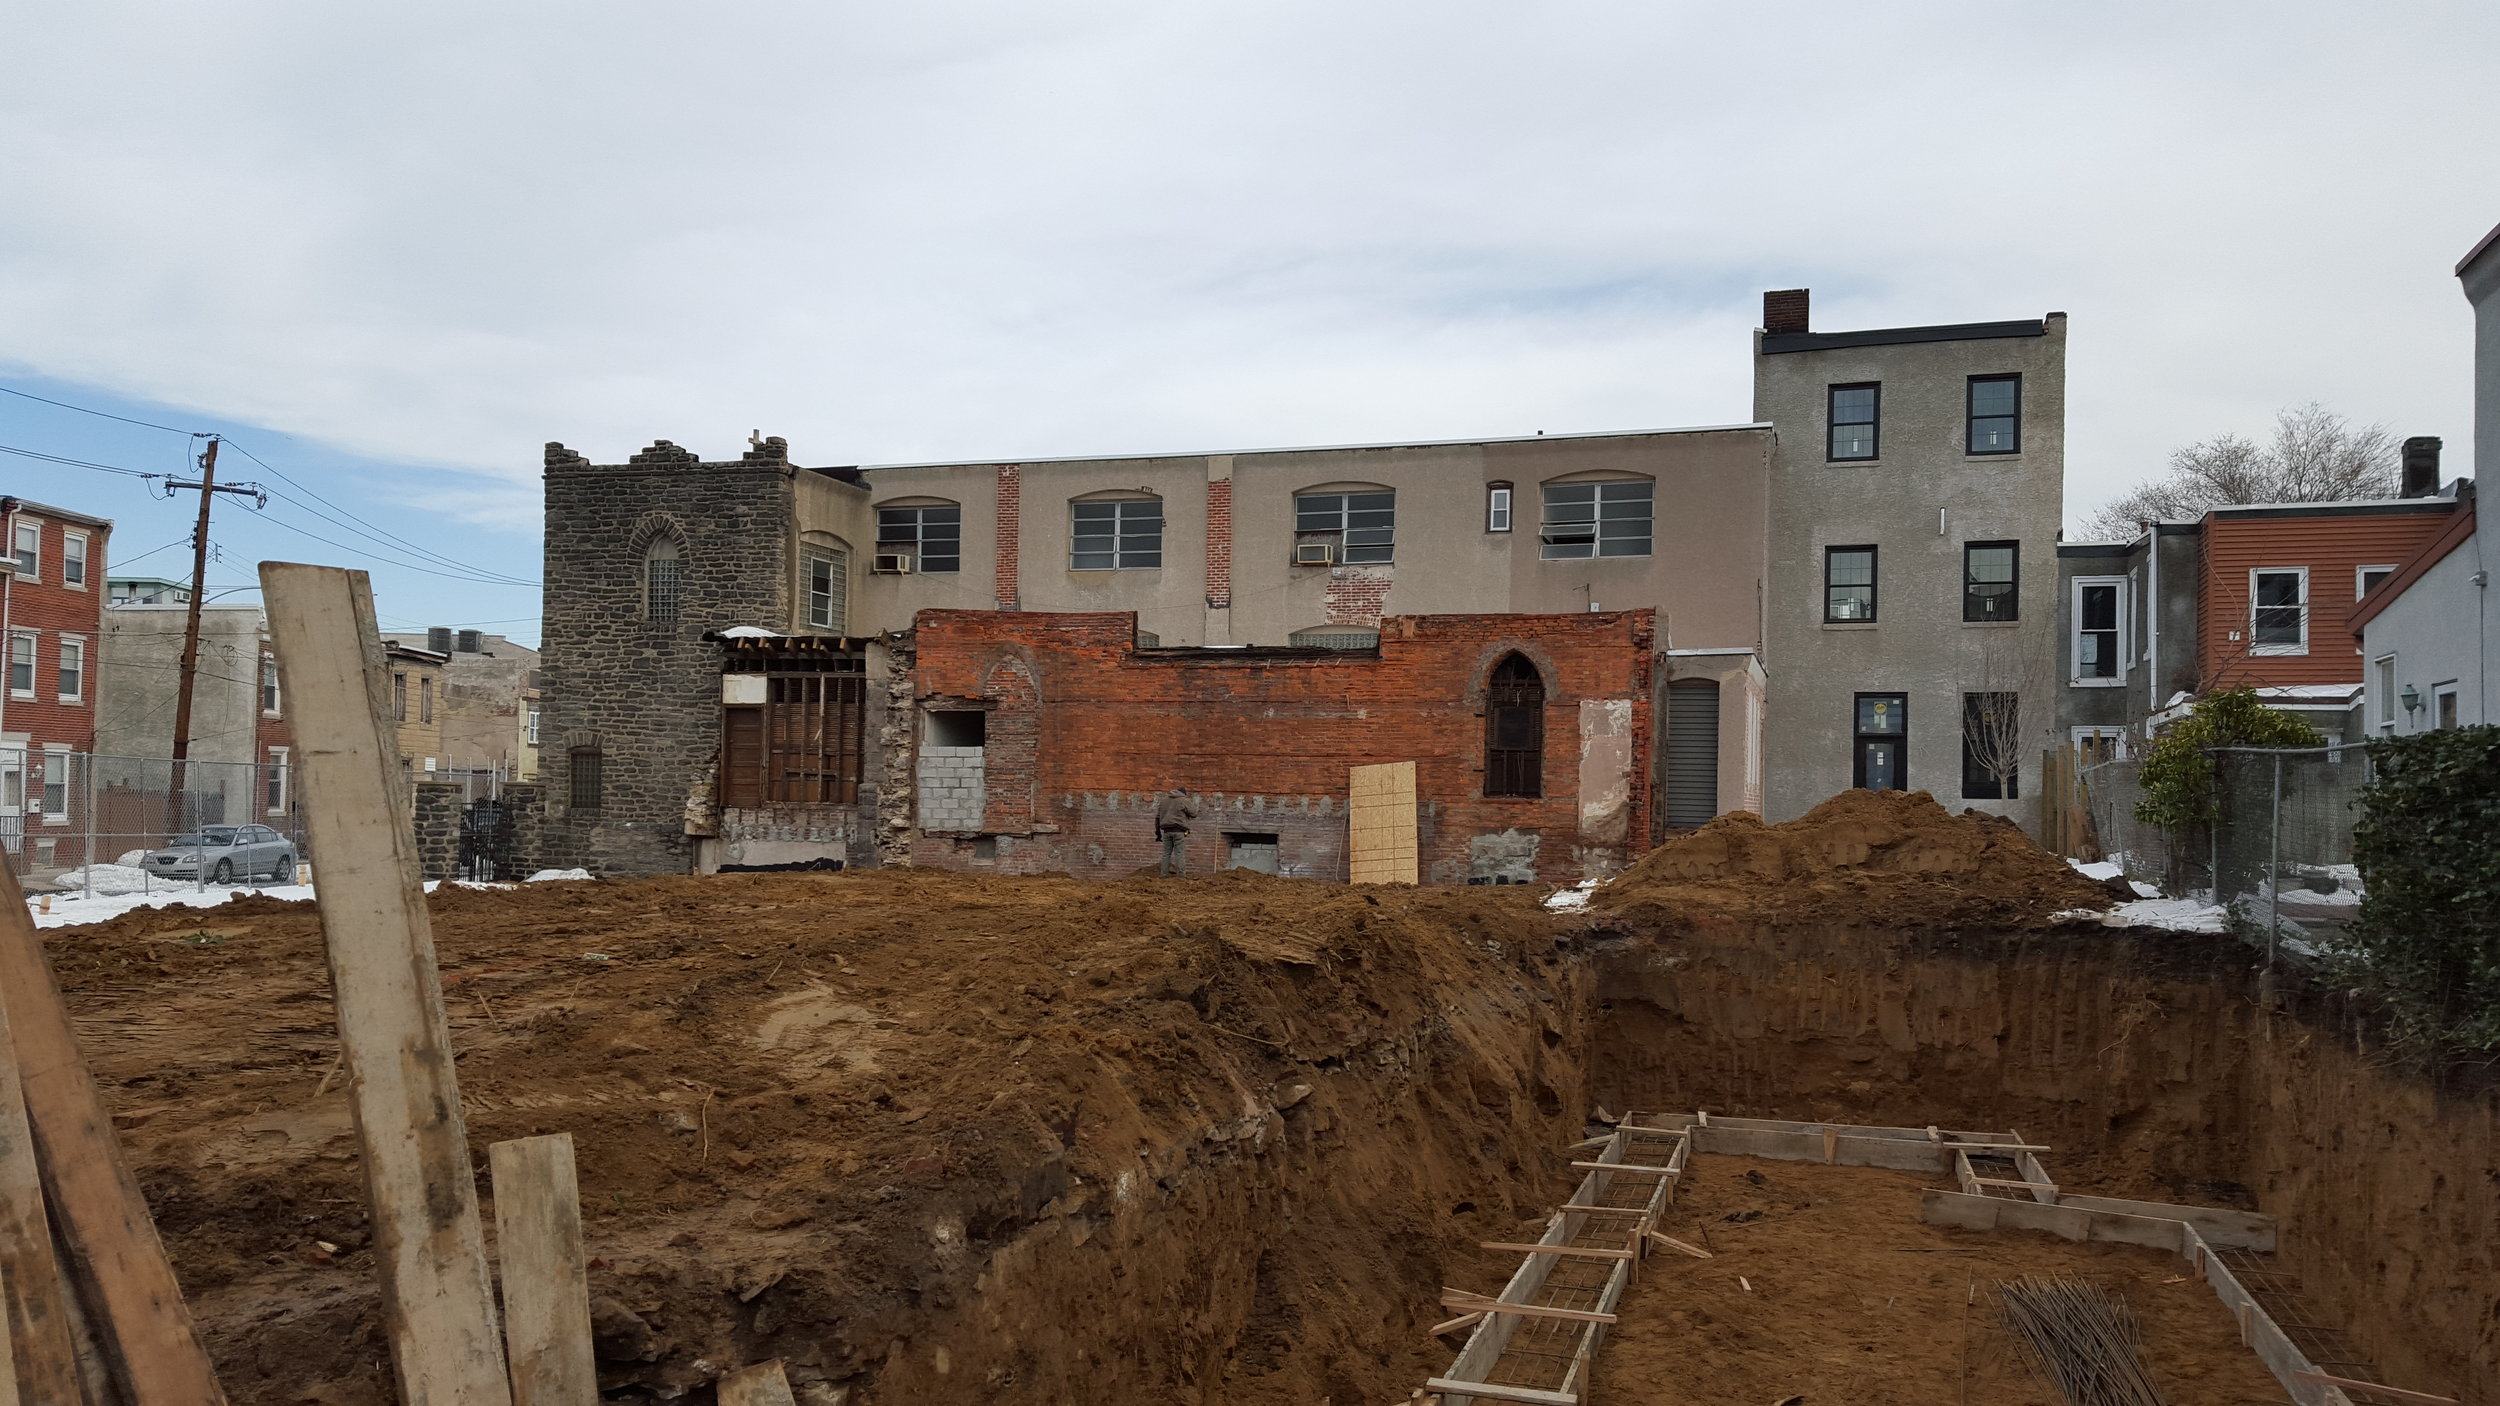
<point>890,564</point>
<point>1315,554</point>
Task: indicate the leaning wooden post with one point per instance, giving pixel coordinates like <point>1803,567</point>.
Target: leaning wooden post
<point>546,1287</point>
<point>32,1316</point>
<point>438,1303</point>
<point>115,1257</point>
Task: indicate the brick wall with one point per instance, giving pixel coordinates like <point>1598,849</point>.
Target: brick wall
<point>1266,736</point>
<point>1220,544</point>
<point>643,694</point>
<point>1010,533</point>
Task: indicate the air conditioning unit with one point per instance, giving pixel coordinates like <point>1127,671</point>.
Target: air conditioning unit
<point>890,564</point>
<point>1315,554</point>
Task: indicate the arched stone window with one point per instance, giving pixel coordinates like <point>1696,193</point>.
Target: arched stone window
<point>1514,729</point>
<point>662,583</point>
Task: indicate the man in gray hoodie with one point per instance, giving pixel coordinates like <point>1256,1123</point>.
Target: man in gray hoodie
<point>1173,812</point>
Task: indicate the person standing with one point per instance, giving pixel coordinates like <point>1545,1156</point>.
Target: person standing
<point>1173,812</point>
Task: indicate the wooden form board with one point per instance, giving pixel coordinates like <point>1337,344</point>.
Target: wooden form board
<point>437,1296</point>
<point>1380,825</point>
<point>33,1319</point>
<point>114,1257</point>
<point>546,1286</point>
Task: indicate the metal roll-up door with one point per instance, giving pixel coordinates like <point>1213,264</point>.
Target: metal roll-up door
<point>1692,752</point>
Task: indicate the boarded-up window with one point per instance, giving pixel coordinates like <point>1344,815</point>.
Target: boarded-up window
<point>804,744</point>
<point>1514,730</point>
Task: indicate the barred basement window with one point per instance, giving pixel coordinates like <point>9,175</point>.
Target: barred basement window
<point>583,786</point>
<point>660,583</point>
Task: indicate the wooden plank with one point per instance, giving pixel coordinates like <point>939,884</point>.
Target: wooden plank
<point>1464,1320</point>
<point>1478,1303</point>
<point>33,1317</point>
<point>1831,1145</point>
<point>1626,1167</point>
<point>1609,1210</point>
<point>763,1384</point>
<point>546,1288</point>
<point>438,1301</point>
<point>2000,1147</point>
<point>1450,1386</point>
<point>114,1255</point>
<point>2349,1384</point>
<point>1998,1181</point>
<point>1380,824</point>
<point>1672,1243</point>
<point>1589,1251</point>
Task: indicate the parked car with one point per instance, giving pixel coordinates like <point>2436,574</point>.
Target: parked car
<point>226,853</point>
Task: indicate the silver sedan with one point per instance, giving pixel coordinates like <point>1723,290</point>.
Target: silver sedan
<point>226,853</point>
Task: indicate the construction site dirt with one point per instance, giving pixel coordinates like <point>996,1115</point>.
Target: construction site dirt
<point>936,1138</point>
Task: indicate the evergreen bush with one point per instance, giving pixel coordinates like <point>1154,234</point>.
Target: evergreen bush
<point>2427,939</point>
<point>2178,773</point>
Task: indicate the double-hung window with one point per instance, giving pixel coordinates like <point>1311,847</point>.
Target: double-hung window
<point>932,534</point>
<point>274,782</point>
<point>73,671</point>
<point>1497,507</point>
<point>28,548</point>
<point>269,694</point>
<point>2278,611</point>
<point>1606,519</point>
<point>828,588</point>
<point>1988,581</point>
<point>1115,534</point>
<point>74,559</point>
<point>1848,585</point>
<point>22,664</point>
<point>1365,523</point>
<point>1853,412</point>
<point>2100,639</point>
<point>1995,419</point>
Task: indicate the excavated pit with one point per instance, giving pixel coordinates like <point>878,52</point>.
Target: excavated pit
<point>938,1138</point>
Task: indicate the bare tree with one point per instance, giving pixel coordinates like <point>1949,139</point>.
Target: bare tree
<point>1999,727</point>
<point>2317,456</point>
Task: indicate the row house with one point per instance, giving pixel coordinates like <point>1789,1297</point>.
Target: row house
<point>488,703</point>
<point>51,609</point>
<point>240,743</point>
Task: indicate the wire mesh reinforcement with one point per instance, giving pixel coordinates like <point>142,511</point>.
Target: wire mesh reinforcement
<point>2081,1338</point>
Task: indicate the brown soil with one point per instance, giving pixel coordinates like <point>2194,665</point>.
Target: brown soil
<point>926,1136</point>
<point>1854,1299</point>
<point>1877,859</point>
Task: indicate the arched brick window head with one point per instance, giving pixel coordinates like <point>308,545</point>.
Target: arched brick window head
<point>1514,730</point>
<point>660,582</point>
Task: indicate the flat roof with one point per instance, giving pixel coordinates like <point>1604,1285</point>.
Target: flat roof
<point>1774,343</point>
<point>2357,507</point>
<point>1317,448</point>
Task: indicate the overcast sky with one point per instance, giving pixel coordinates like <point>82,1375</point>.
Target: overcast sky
<point>376,244</point>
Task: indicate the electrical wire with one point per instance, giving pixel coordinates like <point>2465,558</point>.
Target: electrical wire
<point>405,566</point>
<point>358,525</point>
<point>77,463</point>
<point>107,414</point>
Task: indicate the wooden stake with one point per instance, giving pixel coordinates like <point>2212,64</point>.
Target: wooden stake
<point>546,1289</point>
<point>438,1306</point>
<point>1672,1243</point>
<point>1831,1145</point>
<point>31,1311</point>
<point>1464,1320</point>
<point>763,1384</point>
<point>115,1257</point>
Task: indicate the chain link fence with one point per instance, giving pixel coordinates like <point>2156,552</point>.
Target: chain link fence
<point>104,825</point>
<point>2280,857</point>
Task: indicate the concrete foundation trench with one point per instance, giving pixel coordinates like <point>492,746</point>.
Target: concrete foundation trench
<point>930,1138</point>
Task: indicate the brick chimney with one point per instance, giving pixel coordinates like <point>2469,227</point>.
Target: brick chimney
<point>2421,472</point>
<point>1784,310</point>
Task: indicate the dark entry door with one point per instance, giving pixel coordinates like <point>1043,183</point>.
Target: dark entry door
<point>1692,753</point>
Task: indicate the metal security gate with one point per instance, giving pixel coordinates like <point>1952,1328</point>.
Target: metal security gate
<point>486,842</point>
<point>1692,753</point>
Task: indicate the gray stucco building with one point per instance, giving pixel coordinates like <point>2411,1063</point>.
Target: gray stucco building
<point>1917,491</point>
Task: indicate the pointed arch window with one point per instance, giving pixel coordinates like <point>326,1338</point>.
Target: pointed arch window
<point>1514,730</point>
<point>660,582</point>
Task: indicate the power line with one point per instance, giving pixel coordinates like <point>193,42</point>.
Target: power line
<point>425,553</point>
<point>422,554</point>
<point>107,414</point>
<point>405,566</point>
<point>76,463</point>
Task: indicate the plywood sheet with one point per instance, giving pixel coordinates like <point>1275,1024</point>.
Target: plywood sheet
<point>1380,824</point>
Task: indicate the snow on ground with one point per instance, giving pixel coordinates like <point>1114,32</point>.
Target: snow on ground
<point>2109,869</point>
<point>2167,914</point>
<point>74,908</point>
<point>1577,896</point>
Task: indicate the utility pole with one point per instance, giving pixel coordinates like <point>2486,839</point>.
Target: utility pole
<point>209,489</point>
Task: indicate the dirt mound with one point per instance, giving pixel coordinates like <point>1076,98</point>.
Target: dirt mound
<point>927,1137</point>
<point>1888,859</point>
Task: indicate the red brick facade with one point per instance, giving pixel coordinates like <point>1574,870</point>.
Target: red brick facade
<point>54,606</point>
<point>1010,533</point>
<point>1085,729</point>
<point>1220,544</point>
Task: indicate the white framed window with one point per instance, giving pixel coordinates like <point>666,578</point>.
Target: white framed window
<point>2278,610</point>
<point>74,560</point>
<point>12,782</point>
<point>55,783</point>
<point>21,664</point>
<point>2444,706</point>
<point>271,700</point>
<point>72,669</point>
<point>529,727</point>
<point>2364,577</point>
<point>1611,518</point>
<point>27,545</point>
<point>1497,507</point>
<point>2095,744</point>
<point>1115,534</point>
<point>2383,684</point>
<point>274,782</point>
<point>828,573</point>
<point>2097,645</point>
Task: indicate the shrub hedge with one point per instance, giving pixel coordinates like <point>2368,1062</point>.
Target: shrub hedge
<point>2427,939</point>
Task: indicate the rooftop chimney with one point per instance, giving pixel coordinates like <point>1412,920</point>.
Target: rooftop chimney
<point>2421,460</point>
<point>1784,310</point>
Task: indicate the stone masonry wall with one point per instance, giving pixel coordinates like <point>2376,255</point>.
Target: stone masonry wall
<point>438,829</point>
<point>645,694</point>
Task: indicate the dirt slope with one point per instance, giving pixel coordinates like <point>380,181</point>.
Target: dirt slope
<point>1878,859</point>
<point>908,1130</point>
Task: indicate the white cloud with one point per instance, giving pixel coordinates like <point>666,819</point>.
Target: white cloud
<point>903,232</point>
